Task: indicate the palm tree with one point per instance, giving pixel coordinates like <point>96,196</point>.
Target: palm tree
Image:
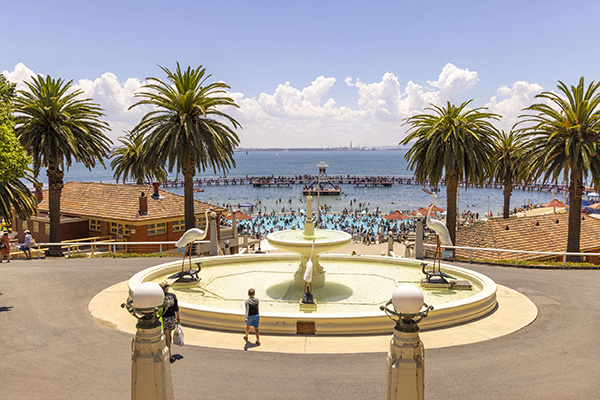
<point>187,128</point>
<point>15,195</point>
<point>14,161</point>
<point>58,127</point>
<point>510,164</point>
<point>128,161</point>
<point>452,143</point>
<point>565,135</point>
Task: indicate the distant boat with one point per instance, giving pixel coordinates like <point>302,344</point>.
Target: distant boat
<point>276,154</point>
<point>199,190</point>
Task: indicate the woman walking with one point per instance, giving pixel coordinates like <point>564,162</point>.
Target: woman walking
<point>5,247</point>
<point>170,317</point>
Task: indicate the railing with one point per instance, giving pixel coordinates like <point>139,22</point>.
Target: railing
<point>162,246</point>
<point>112,245</point>
<point>564,255</point>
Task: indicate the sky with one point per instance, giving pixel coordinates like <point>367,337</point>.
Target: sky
<point>310,73</point>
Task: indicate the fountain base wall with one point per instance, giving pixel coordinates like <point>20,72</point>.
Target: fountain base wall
<point>346,323</point>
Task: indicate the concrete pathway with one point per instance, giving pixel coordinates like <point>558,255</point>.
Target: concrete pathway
<point>514,312</point>
<point>51,347</point>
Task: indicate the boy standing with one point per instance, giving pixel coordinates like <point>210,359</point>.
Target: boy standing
<point>252,317</point>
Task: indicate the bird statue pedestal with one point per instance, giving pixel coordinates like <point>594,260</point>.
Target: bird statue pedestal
<point>187,278</point>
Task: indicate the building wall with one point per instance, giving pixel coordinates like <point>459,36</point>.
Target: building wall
<point>74,230</point>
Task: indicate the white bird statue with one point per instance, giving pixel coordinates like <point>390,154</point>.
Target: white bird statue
<point>188,238</point>
<point>442,234</point>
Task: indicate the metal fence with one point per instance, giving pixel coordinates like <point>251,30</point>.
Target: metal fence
<point>563,256</point>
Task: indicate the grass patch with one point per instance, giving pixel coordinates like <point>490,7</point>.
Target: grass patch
<point>550,264</point>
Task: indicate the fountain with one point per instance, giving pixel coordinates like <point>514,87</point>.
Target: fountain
<point>309,241</point>
<point>348,302</point>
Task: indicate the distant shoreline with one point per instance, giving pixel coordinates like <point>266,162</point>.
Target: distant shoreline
<point>283,149</point>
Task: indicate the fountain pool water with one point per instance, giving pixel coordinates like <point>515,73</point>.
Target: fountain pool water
<point>348,303</point>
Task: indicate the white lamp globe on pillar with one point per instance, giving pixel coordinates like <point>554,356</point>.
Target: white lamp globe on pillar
<point>406,358</point>
<point>407,299</point>
<point>147,295</point>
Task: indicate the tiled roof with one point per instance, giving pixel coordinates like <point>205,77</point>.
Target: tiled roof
<point>536,233</point>
<point>120,202</point>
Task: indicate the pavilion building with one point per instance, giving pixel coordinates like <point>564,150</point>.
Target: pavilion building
<point>120,212</point>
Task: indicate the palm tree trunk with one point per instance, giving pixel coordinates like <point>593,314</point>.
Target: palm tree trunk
<point>188,193</point>
<point>451,197</point>
<point>55,186</point>
<point>507,194</point>
<point>575,195</point>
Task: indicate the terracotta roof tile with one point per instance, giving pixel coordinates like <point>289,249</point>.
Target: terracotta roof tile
<point>536,233</point>
<point>121,202</point>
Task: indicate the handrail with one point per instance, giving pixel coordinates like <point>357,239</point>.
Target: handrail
<point>556,253</point>
<point>110,243</point>
<point>564,254</point>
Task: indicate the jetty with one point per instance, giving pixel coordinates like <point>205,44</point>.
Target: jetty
<point>359,181</point>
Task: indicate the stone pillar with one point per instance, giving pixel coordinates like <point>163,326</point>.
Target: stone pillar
<point>406,367</point>
<point>419,251</point>
<point>234,226</point>
<point>390,249</point>
<point>214,236</point>
<point>150,367</point>
<point>246,242</point>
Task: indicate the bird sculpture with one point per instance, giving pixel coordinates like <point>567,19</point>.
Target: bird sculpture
<point>442,238</point>
<point>186,242</point>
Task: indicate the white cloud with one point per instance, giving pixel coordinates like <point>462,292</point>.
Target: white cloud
<point>19,75</point>
<point>510,102</point>
<point>308,117</point>
<point>452,81</point>
<point>115,98</point>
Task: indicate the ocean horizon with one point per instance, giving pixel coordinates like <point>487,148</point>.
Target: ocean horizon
<point>354,163</point>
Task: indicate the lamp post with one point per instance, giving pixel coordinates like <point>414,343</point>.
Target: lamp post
<point>150,368</point>
<point>406,359</point>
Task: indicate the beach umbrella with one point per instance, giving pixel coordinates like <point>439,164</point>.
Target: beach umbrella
<point>423,212</point>
<point>238,215</point>
<point>435,208</point>
<point>555,203</point>
<point>247,205</point>
<point>396,215</point>
<point>595,206</point>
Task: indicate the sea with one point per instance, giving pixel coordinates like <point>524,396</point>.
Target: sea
<point>401,197</point>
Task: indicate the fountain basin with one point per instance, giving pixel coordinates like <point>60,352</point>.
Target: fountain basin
<point>347,304</point>
<point>295,241</point>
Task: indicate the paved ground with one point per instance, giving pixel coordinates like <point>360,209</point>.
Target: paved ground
<point>50,348</point>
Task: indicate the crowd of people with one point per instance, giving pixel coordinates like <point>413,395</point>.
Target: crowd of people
<point>364,227</point>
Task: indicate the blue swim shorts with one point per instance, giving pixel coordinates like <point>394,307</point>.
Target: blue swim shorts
<point>253,320</point>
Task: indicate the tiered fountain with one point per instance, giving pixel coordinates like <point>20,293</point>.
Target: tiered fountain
<point>348,301</point>
<point>309,241</point>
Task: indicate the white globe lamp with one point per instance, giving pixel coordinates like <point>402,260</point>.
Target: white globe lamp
<point>147,295</point>
<point>407,299</point>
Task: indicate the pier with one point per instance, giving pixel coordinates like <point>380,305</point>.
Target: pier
<point>358,181</point>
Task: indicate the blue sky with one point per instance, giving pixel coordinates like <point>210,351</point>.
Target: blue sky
<point>258,46</point>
